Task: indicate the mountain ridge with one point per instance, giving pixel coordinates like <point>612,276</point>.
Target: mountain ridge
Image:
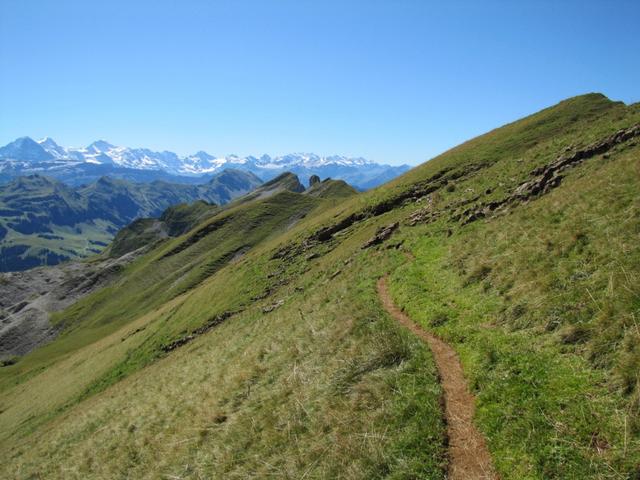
<point>261,331</point>
<point>44,221</point>
<point>25,154</point>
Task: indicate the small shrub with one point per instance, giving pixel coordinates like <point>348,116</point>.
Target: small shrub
<point>9,361</point>
<point>518,311</point>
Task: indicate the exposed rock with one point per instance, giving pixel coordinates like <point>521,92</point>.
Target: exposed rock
<point>412,194</point>
<point>548,177</point>
<point>335,274</point>
<point>28,298</point>
<point>424,215</point>
<point>326,233</point>
<point>395,246</point>
<point>381,235</point>
<point>313,179</point>
<point>213,322</point>
<point>273,306</point>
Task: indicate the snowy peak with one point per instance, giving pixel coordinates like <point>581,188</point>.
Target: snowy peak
<point>100,146</point>
<point>48,142</point>
<point>200,162</point>
<point>50,145</point>
<point>204,156</point>
<point>25,149</point>
<point>355,170</point>
<point>312,160</point>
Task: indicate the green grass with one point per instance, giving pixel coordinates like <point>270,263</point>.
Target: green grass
<point>541,303</point>
<point>158,278</point>
<point>319,387</point>
<point>43,221</point>
<point>328,188</point>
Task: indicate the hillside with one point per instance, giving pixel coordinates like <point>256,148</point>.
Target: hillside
<point>181,218</point>
<point>44,222</point>
<point>256,343</point>
<point>28,299</point>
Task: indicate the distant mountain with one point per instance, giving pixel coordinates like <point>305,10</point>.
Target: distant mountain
<point>27,150</point>
<point>43,221</point>
<point>26,156</point>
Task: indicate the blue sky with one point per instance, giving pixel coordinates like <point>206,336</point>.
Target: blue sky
<point>394,81</point>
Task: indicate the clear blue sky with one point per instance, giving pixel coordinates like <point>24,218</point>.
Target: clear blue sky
<point>394,81</point>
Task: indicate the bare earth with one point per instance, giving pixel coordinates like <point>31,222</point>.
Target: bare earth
<point>469,458</point>
<point>28,298</point>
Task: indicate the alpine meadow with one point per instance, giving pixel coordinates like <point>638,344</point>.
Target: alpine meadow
<point>475,316</point>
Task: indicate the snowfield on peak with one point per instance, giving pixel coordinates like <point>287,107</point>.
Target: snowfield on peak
<point>102,151</point>
<point>48,157</point>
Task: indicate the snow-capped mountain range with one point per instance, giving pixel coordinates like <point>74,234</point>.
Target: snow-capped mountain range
<point>46,156</point>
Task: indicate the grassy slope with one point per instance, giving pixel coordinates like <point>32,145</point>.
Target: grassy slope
<point>331,372</point>
<point>79,222</point>
<point>541,303</point>
<point>161,276</point>
<point>329,188</point>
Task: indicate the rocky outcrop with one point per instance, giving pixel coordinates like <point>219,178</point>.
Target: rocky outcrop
<point>273,306</point>
<point>413,194</point>
<point>313,179</point>
<point>548,177</point>
<point>382,234</point>
<point>28,298</point>
<point>213,322</point>
<point>426,214</point>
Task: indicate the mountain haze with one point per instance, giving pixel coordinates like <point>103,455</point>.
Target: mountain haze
<point>26,156</point>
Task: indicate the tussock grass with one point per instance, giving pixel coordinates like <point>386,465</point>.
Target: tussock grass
<point>337,391</point>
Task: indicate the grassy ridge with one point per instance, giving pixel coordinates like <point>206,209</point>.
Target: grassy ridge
<point>162,275</point>
<point>308,377</point>
<point>356,393</point>
<point>43,221</point>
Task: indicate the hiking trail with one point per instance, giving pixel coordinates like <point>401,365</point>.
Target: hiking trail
<point>469,458</point>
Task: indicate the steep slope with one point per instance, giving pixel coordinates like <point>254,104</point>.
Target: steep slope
<point>26,308</point>
<point>43,222</point>
<point>285,181</point>
<point>30,297</point>
<point>181,218</point>
<point>25,149</point>
<point>174,221</point>
<point>518,248</point>
<point>331,189</point>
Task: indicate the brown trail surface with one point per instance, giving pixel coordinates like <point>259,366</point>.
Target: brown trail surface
<point>469,458</point>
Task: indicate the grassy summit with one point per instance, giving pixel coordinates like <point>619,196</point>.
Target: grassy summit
<point>254,344</point>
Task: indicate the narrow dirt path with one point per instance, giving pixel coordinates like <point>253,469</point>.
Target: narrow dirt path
<point>469,458</point>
